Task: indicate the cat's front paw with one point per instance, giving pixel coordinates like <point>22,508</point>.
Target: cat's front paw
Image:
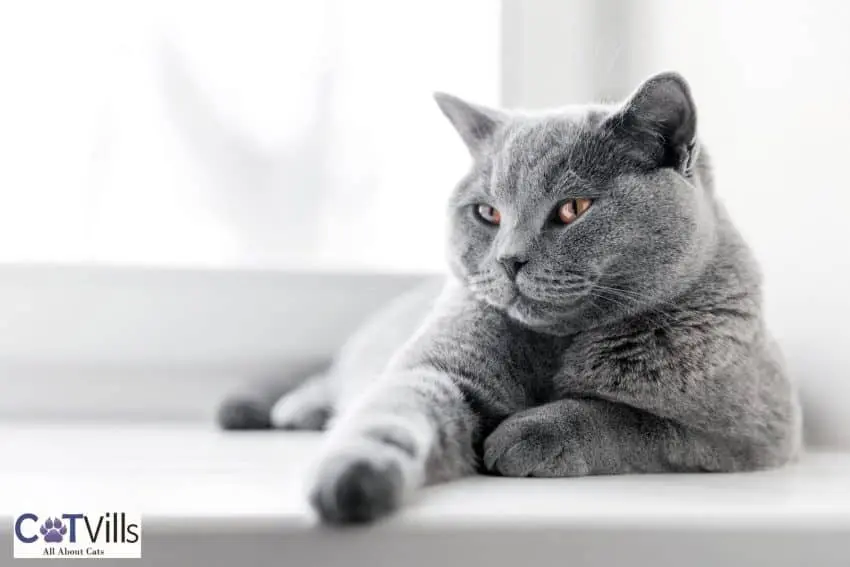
<point>356,488</point>
<point>532,443</point>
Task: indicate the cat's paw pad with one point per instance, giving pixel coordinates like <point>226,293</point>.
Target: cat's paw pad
<point>352,489</point>
<point>53,530</point>
<point>525,446</point>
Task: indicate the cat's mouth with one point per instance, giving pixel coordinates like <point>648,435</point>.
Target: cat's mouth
<point>512,296</point>
<point>523,305</point>
<point>527,309</point>
<point>528,312</point>
<point>536,313</point>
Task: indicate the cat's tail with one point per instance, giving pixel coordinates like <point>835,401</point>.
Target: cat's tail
<point>299,401</point>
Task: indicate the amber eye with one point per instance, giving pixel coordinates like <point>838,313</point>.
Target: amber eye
<point>573,209</point>
<point>489,214</point>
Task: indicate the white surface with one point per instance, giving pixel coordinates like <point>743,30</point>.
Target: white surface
<point>196,481</point>
<point>174,471</point>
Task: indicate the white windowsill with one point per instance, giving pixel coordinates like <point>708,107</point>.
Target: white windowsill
<point>111,342</point>
<point>207,496</point>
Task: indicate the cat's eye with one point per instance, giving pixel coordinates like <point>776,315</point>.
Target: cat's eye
<point>573,209</point>
<point>489,214</point>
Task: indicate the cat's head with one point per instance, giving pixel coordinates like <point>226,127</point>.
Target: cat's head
<point>579,216</point>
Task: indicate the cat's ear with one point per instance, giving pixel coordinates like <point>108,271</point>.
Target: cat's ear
<point>661,118</point>
<point>475,124</point>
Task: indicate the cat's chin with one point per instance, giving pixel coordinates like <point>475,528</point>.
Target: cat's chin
<point>520,313</point>
<point>541,317</point>
<point>529,312</point>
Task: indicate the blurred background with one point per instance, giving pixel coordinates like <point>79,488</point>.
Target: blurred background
<point>301,137</point>
<point>234,134</point>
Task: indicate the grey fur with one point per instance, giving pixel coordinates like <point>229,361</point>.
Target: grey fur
<point>308,408</point>
<point>631,340</point>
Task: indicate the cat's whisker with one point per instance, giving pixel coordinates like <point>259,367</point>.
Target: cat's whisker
<point>481,275</point>
<point>483,280</point>
<point>551,276</point>
<point>632,303</point>
<point>622,292</point>
<point>630,275</point>
<point>634,294</point>
<point>612,300</point>
<point>565,288</point>
<point>547,290</point>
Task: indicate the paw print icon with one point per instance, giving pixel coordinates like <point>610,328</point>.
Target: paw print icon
<point>52,530</point>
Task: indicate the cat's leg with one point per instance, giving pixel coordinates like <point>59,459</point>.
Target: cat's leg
<point>412,429</point>
<point>576,437</point>
<point>306,408</point>
<point>425,419</point>
<point>250,405</point>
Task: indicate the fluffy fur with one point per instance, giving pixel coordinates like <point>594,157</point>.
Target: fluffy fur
<point>629,341</point>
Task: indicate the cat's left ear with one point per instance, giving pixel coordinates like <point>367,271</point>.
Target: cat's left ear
<point>661,119</point>
<point>476,124</point>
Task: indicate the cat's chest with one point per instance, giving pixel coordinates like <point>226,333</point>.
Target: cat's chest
<point>616,359</point>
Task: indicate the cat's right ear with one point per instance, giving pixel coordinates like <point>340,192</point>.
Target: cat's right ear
<point>660,120</point>
<point>475,124</point>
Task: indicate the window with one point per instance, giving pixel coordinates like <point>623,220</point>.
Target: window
<point>232,135</point>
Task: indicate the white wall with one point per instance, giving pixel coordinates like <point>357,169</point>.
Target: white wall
<point>772,82</point>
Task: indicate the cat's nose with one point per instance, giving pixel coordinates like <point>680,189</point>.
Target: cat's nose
<point>512,265</point>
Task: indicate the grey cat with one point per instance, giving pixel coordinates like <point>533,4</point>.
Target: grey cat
<point>603,316</point>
